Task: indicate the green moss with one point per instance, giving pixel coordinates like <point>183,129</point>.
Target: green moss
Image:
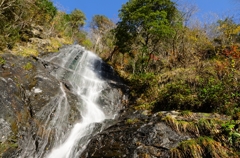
<point>132,121</point>
<point>201,147</point>
<point>181,126</point>
<point>8,145</point>
<point>28,66</point>
<point>146,106</point>
<point>2,61</point>
<point>195,127</point>
<point>209,126</point>
<point>27,51</point>
<point>54,45</point>
<point>206,114</point>
<point>186,113</point>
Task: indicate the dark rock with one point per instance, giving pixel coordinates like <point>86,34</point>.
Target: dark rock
<point>147,137</point>
<point>24,94</point>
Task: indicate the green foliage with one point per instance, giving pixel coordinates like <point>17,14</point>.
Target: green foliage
<point>144,86</point>
<point>207,129</point>
<point>145,106</point>
<point>47,7</point>
<point>177,95</point>
<point>77,19</point>
<point>101,23</point>
<point>132,121</point>
<point>211,92</point>
<point>227,31</point>
<point>9,30</point>
<point>2,61</point>
<point>200,147</point>
<point>205,126</point>
<point>22,20</point>
<point>152,17</point>
<point>205,92</point>
<point>143,24</point>
<point>61,23</point>
<point>18,18</point>
<point>102,35</point>
<point>231,132</point>
<point>186,113</point>
<point>11,143</point>
<point>44,11</point>
<point>28,66</point>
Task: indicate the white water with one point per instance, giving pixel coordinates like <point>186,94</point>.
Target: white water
<point>78,68</point>
<point>88,86</point>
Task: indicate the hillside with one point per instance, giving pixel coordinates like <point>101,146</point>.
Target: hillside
<point>183,77</point>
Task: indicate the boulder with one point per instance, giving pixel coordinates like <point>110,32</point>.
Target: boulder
<point>135,135</point>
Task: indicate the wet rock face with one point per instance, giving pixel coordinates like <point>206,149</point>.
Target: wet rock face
<point>141,136</point>
<point>111,97</point>
<point>29,93</point>
<point>26,88</point>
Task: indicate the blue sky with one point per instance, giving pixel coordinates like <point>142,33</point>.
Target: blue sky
<point>109,8</point>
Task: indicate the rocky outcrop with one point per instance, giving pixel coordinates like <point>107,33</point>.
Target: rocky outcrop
<point>26,88</point>
<point>135,135</point>
<point>183,134</point>
<point>30,99</point>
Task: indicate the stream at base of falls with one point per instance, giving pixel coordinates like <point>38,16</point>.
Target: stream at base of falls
<point>87,100</point>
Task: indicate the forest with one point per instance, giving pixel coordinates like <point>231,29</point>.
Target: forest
<point>167,63</point>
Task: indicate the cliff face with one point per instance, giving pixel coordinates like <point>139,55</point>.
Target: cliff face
<point>26,88</point>
<point>31,97</point>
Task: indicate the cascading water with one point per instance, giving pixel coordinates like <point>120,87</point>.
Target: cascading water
<point>85,75</point>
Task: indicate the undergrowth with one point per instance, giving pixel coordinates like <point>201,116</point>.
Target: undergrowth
<point>205,88</point>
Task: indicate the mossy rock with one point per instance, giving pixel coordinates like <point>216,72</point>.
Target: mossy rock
<point>201,147</point>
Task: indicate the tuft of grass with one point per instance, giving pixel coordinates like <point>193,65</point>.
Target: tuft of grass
<point>28,66</point>
<point>55,44</point>
<point>132,121</point>
<point>2,61</point>
<point>187,113</point>
<point>145,106</point>
<point>203,126</point>
<point>200,147</point>
<point>209,126</point>
<point>27,51</point>
<point>4,146</point>
<point>181,126</point>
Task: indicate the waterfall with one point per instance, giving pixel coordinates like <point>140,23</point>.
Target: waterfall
<point>87,78</point>
<point>88,86</point>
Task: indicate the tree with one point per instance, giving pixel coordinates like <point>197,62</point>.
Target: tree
<point>143,24</point>
<point>101,34</point>
<point>9,29</point>
<point>19,17</point>
<point>227,31</point>
<point>77,19</point>
<point>45,11</point>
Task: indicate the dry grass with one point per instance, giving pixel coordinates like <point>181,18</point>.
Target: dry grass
<point>181,126</point>
<point>201,147</point>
